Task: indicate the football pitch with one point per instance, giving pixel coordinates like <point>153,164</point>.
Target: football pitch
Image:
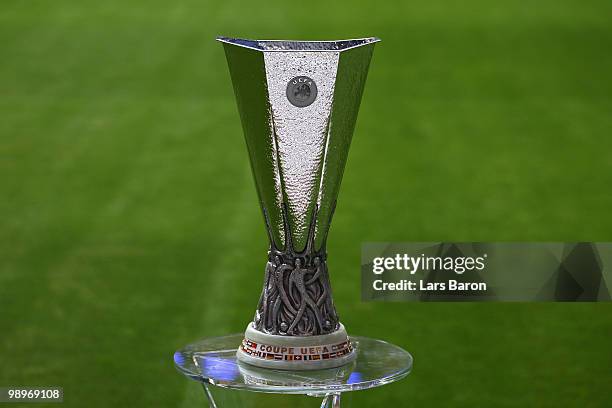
<point>129,222</point>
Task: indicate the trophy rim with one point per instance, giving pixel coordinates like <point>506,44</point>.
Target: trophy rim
<point>255,44</point>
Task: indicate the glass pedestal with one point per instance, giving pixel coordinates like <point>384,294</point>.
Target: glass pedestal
<point>213,363</point>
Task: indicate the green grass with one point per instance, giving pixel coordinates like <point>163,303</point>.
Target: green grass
<point>129,222</point>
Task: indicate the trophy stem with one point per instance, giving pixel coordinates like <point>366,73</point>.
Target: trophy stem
<point>296,325</point>
<point>296,298</point>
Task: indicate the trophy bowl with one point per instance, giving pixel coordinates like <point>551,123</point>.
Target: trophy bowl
<point>298,103</point>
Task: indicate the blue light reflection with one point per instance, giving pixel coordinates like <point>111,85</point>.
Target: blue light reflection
<point>219,368</point>
<point>355,378</point>
<point>179,359</point>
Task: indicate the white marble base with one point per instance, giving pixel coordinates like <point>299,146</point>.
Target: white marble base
<point>295,352</point>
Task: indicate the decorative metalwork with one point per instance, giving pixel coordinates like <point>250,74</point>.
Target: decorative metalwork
<point>296,298</point>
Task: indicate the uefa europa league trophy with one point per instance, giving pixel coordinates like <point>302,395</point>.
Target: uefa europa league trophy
<point>298,102</point>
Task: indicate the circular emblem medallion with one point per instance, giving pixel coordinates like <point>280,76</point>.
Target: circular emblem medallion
<point>301,91</point>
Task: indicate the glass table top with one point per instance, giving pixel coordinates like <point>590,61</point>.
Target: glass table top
<point>213,361</point>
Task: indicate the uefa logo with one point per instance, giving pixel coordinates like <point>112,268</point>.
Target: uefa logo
<point>301,91</point>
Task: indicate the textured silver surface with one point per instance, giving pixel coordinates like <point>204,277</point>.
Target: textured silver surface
<point>301,132</point>
<point>297,155</point>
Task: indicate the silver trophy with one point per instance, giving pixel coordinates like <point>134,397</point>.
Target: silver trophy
<point>298,102</point>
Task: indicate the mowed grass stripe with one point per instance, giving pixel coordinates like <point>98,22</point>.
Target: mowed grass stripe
<point>71,295</point>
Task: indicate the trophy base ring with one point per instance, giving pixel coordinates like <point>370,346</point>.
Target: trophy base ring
<point>296,352</point>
